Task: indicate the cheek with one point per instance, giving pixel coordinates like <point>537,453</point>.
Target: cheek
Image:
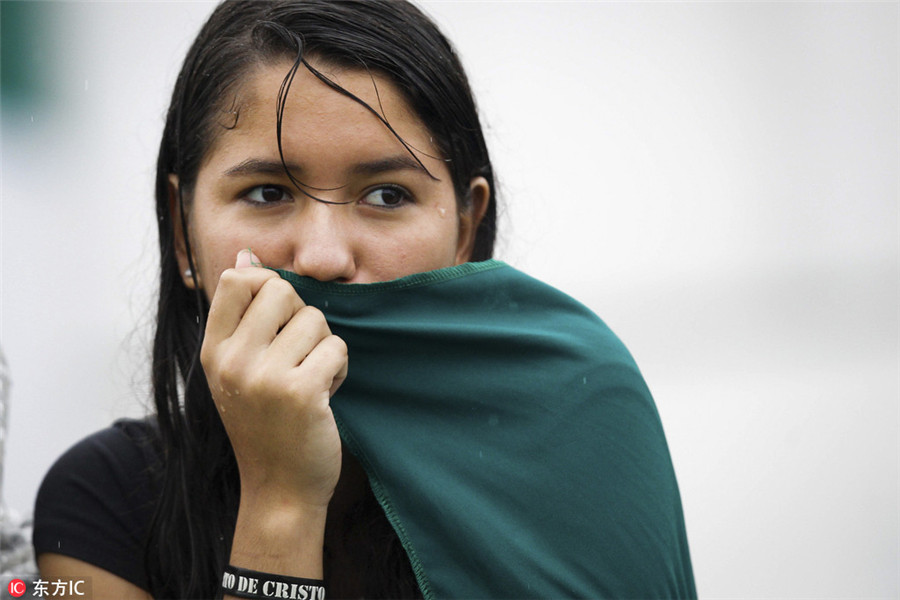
<point>215,253</point>
<point>426,245</point>
<point>211,266</point>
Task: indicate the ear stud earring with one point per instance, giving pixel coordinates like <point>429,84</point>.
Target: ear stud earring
<point>188,274</point>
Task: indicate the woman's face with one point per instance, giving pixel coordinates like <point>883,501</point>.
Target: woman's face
<point>394,220</point>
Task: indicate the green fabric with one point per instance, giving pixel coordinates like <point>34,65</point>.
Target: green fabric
<point>509,436</point>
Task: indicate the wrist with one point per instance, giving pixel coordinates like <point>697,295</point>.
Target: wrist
<point>275,493</point>
<point>279,537</point>
<point>269,503</point>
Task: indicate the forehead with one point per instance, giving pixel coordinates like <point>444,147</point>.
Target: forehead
<point>317,118</point>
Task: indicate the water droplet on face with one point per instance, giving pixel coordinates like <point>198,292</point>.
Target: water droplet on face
<point>442,211</point>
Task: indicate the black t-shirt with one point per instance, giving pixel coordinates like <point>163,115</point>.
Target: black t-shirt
<point>96,502</point>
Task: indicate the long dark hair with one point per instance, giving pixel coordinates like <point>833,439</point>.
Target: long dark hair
<point>190,536</point>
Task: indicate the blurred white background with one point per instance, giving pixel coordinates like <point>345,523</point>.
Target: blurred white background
<point>718,181</point>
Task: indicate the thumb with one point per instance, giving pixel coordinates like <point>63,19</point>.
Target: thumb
<point>246,258</point>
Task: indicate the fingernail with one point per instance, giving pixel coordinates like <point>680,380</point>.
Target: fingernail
<point>246,258</point>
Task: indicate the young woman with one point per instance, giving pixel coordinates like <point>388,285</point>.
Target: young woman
<point>429,433</point>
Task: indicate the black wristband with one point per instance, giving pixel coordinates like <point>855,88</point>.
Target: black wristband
<point>244,583</point>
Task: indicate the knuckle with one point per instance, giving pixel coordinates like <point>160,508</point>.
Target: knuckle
<point>276,289</point>
<point>229,364</point>
<point>284,285</point>
<point>229,279</point>
<point>206,355</point>
<point>314,321</point>
<point>338,345</point>
<point>272,284</point>
<point>277,285</point>
<point>312,313</point>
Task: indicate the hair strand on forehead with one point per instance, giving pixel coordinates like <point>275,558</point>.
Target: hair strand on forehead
<point>366,105</point>
<point>281,103</point>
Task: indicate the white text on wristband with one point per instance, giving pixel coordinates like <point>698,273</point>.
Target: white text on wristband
<point>244,583</point>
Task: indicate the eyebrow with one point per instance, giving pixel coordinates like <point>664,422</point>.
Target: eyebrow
<point>401,162</point>
<point>253,166</point>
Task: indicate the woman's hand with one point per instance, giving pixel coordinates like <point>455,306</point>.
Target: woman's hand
<point>272,365</point>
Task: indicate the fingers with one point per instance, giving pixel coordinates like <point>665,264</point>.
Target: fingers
<point>234,294</point>
<point>306,328</point>
<point>258,322</point>
<point>274,306</point>
<point>326,366</point>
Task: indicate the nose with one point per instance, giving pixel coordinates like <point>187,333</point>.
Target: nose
<point>323,246</point>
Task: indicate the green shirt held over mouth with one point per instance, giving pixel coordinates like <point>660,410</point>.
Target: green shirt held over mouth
<point>508,435</point>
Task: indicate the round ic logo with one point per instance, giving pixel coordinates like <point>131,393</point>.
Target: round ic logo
<point>17,588</point>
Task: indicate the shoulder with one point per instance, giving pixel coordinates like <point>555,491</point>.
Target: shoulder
<point>96,502</point>
<point>123,457</point>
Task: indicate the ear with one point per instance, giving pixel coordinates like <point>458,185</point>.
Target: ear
<point>479,199</point>
<point>178,229</point>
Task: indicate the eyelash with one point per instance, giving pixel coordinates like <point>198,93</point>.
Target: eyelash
<point>405,196</point>
<point>262,202</point>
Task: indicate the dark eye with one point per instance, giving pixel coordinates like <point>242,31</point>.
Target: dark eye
<point>267,194</point>
<point>387,197</point>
